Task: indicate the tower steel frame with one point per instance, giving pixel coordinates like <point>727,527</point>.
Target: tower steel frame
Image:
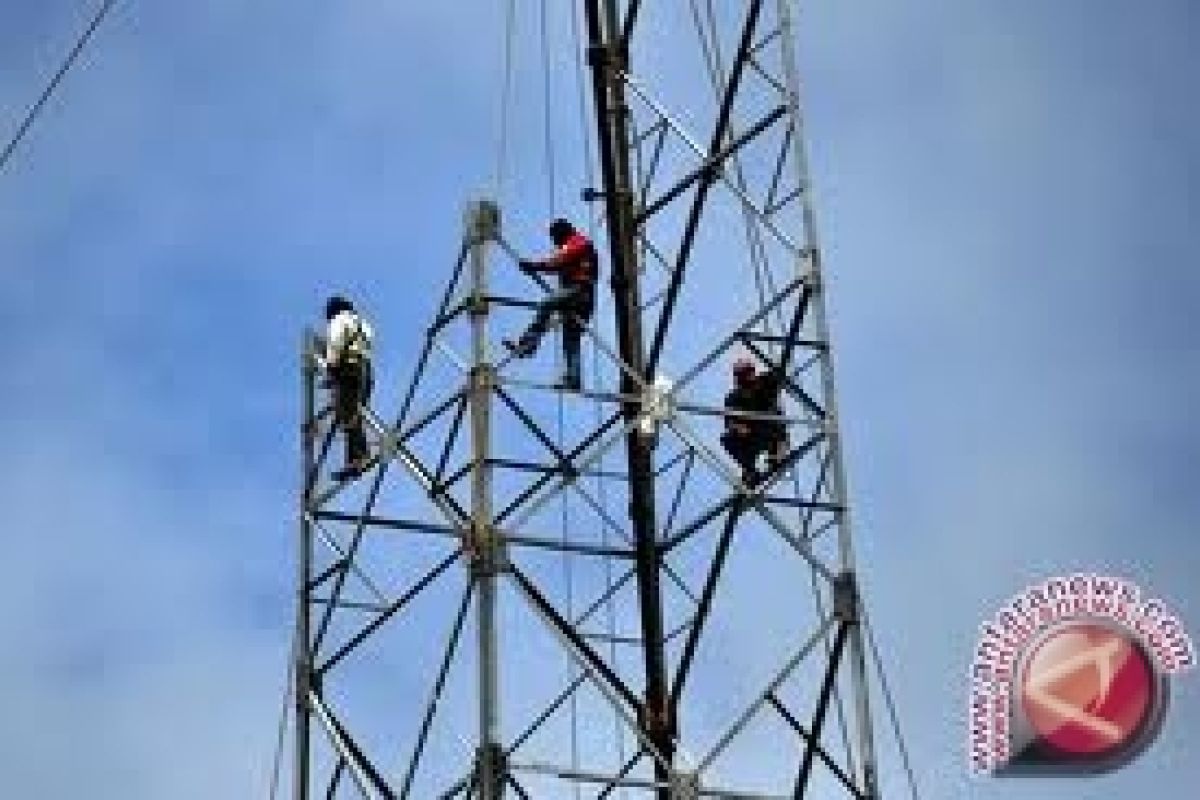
<point>660,186</point>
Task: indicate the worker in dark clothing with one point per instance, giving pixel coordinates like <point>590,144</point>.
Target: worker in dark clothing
<point>348,361</point>
<point>576,264</point>
<point>746,438</point>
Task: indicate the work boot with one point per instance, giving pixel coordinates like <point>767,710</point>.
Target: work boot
<point>353,470</point>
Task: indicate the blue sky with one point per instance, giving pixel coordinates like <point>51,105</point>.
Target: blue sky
<point>1007,196</point>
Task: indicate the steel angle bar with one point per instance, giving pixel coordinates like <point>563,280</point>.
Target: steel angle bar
<point>612,524</point>
<point>612,638</point>
<point>811,344</point>
<point>786,200</point>
<point>762,43</point>
<point>728,341</point>
<point>513,302</point>
<point>368,780</point>
<point>532,506</point>
<point>537,485</point>
<point>392,524</point>
<point>546,713</point>
<point>700,197</point>
<point>710,165</point>
<point>761,508</point>
<point>323,453</point>
<point>541,469</point>
<point>654,250</point>
<point>822,710</point>
<point>451,440</point>
<point>391,610</point>
<point>704,604</point>
<point>666,466</point>
<point>350,605</point>
<point>451,356</point>
<point>445,319</point>
<point>578,548</point>
<point>316,581</point>
<point>660,129</point>
<point>339,581</point>
<point>390,435</point>
<point>587,394</point>
<point>586,776</point>
<point>448,506</point>
<point>335,780</point>
<point>642,136</point>
<point>811,505</point>
<point>332,543</point>
<point>516,786</point>
<point>456,789</point>
<point>625,769</point>
<point>822,753</point>
<point>445,503</point>
<point>697,524</point>
<point>619,696</point>
<point>782,675</point>
<point>780,162</point>
<point>763,73</point>
<point>684,477</point>
<point>747,202</point>
<point>535,429</point>
<point>439,686</point>
<point>605,596</point>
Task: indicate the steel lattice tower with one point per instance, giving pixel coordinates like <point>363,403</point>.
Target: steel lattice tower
<point>644,623</point>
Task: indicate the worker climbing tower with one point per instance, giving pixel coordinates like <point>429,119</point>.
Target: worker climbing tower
<point>543,594</point>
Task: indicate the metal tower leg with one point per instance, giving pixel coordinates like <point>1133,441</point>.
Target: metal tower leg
<point>302,669</point>
<point>607,56</point>
<point>483,226</point>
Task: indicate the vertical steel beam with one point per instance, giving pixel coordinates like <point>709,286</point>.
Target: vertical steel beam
<point>837,472</point>
<point>608,56</point>
<point>303,655</point>
<point>483,227</point>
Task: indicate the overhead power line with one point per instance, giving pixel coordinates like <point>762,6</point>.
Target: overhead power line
<point>48,92</point>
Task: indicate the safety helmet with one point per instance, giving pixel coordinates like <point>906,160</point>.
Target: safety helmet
<point>336,305</point>
<point>560,231</point>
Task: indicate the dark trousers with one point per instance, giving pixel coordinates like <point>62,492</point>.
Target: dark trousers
<point>746,447</point>
<point>352,383</point>
<point>574,304</point>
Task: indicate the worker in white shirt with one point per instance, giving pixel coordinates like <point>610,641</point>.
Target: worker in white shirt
<point>348,361</point>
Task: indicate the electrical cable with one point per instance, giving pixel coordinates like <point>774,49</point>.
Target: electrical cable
<point>36,109</point>
<point>281,733</point>
<point>505,96</point>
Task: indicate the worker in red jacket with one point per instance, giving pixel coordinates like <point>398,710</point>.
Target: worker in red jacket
<point>576,264</point>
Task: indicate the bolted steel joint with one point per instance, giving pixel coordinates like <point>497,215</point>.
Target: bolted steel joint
<point>491,766</point>
<point>483,378</point>
<point>685,786</point>
<point>658,405</point>
<point>845,598</point>
<point>487,552</point>
<point>483,221</point>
